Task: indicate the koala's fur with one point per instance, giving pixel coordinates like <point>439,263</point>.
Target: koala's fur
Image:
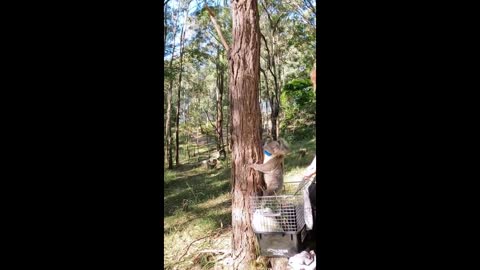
<point>272,166</point>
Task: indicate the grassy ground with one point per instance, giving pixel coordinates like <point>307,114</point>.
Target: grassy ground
<point>197,213</point>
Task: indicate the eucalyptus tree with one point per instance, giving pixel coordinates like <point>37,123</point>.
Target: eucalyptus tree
<point>243,54</point>
<point>272,15</point>
<point>210,46</point>
<point>168,127</point>
<point>185,5</point>
<point>287,49</point>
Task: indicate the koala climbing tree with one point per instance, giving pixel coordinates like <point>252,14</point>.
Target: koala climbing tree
<point>272,166</point>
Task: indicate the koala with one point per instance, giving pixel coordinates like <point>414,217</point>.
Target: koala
<point>272,167</point>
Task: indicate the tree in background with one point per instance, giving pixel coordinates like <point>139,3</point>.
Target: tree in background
<point>298,98</point>
<point>168,121</point>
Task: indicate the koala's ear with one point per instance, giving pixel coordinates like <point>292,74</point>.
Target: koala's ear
<point>283,143</point>
<point>267,141</point>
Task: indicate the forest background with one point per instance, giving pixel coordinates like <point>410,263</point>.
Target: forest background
<point>197,201</point>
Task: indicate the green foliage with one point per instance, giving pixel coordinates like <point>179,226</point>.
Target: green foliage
<point>299,106</point>
<point>298,92</point>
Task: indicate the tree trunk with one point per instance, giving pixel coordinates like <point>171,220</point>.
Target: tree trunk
<point>188,149</point>
<point>228,132</point>
<point>246,120</point>
<point>196,144</point>
<point>274,120</point>
<point>182,37</point>
<point>272,67</point>
<point>275,97</point>
<point>168,127</point>
<point>229,120</point>
<point>164,49</point>
<point>219,96</point>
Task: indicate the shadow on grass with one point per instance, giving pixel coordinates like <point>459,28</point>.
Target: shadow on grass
<point>195,189</point>
<point>208,215</point>
<point>186,167</point>
<point>294,159</point>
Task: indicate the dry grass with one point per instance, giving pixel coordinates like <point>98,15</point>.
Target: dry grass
<point>197,216</point>
<point>197,212</point>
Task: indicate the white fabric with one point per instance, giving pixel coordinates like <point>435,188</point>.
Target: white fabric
<point>262,222</point>
<point>312,168</point>
<point>304,260</point>
<point>307,209</point>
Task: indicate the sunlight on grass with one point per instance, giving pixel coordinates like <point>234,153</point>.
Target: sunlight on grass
<point>197,206</point>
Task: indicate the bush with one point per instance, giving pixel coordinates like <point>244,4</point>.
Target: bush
<point>299,107</point>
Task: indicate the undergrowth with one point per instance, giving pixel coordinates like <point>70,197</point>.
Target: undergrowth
<point>197,206</point>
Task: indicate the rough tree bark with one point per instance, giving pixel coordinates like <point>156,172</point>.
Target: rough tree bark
<point>244,71</point>
<point>246,122</point>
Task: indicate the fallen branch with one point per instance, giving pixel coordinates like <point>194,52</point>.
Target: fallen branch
<point>214,251</point>
<point>216,233</point>
<point>188,247</point>
<point>223,256</point>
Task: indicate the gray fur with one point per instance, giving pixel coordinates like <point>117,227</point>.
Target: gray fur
<point>272,168</point>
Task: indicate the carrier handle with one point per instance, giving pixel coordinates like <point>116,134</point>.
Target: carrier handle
<point>302,185</point>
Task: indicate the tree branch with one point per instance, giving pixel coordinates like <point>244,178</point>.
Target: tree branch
<point>210,32</point>
<point>276,24</point>
<point>217,27</point>
<point>210,121</point>
<point>268,14</point>
<point>268,53</point>
<point>268,89</point>
<point>309,4</point>
<point>298,10</point>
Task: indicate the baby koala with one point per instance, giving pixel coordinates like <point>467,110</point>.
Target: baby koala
<point>272,167</point>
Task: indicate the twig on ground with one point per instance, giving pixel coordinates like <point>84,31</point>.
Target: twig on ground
<point>214,251</point>
<point>223,256</point>
<point>215,234</point>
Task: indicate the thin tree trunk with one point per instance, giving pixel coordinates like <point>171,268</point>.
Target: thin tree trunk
<point>165,27</point>
<point>275,99</point>
<point>196,146</point>
<point>228,132</point>
<point>164,49</point>
<point>219,96</point>
<point>271,100</point>
<point>168,127</point>
<point>229,120</point>
<point>272,67</point>
<point>182,37</point>
<point>188,143</point>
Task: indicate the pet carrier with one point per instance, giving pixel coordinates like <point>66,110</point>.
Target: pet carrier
<point>279,221</point>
